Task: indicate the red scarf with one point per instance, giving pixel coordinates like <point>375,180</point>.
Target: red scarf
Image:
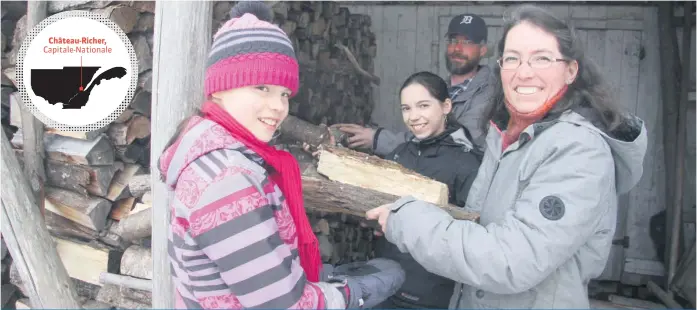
<point>519,121</point>
<point>288,179</point>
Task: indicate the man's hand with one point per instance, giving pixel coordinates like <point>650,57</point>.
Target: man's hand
<point>380,214</point>
<point>361,137</point>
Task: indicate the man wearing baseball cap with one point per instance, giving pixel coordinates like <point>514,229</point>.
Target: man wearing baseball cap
<point>469,88</point>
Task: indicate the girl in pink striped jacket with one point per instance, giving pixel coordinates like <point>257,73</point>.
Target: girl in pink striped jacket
<point>239,235</point>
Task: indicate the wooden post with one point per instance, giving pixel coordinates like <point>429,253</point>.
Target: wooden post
<point>670,68</point>
<point>675,219</point>
<point>179,61</point>
<point>33,128</point>
<point>27,238</point>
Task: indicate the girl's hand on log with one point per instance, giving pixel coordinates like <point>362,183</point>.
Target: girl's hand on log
<point>361,137</point>
<point>380,214</point>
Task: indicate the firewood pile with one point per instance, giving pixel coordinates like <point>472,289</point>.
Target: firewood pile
<point>97,193</point>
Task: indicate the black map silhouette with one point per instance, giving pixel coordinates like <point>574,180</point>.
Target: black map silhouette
<point>63,85</point>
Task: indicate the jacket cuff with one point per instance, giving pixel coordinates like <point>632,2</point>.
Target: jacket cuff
<point>395,206</point>
<point>375,138</point>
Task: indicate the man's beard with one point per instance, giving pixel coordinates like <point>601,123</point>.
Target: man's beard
<point>469,66</point>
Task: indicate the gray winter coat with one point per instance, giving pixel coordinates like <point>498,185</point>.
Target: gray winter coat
<point>468,109</point>
<point>548,209</point>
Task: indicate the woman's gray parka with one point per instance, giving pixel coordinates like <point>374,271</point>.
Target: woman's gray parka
<point>548,210</point>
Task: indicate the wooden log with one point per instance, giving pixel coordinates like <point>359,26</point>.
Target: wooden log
<point>85,180</point>
<point>146,22</point>
<point>140,296</point>
<point>349,55</point>
<point>74,151</point>
<point>62,227</point>
<point>143,52</point>
<point>124,117</point>
<point>141,103</point>
<point>175,80</point>
<point>117,134</point>
<point>119,185</point>
<point>111,294</point>
<point>138,128</point>
<point>371,172</point>
<point>137,262</point>
<point>90,135</point>
<point>89,211</point>
<point>303,131</point>
<point>122,208</point>
<point>138,185</point>
<point>124,16</point>
<point>83,262</point>
<point>321,194</point>
<point>145,81</point>
<point>136,226</point>
<point>126,281</point>
<point>29,242</point>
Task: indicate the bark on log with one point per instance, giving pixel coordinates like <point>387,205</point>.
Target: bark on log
<point>126,281</point>
<point>111,294</point>
<point>330,196</point>
<point>303,131</point>
<point>89,211</point>
<point>137,262</point>
<point>138,185</point>
<point>136,226</point>
<point>29,242</point>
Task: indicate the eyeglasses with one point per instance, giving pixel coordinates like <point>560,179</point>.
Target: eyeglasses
<point>535,62</point>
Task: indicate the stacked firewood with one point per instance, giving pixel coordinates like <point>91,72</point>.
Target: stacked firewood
<point>335,49</point>
<point>97,192</point>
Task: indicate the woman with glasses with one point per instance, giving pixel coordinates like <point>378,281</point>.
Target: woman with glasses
<point>559,152</point>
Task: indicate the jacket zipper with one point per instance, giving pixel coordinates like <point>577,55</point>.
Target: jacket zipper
<point>462,286</point>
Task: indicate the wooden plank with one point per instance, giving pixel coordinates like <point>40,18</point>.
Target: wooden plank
<point>425,22</point>
<point>648,197</point>
<point>175,63</point>
<point>32,127</point>
<point>32,249</point>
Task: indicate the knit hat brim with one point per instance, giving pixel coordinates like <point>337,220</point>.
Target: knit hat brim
<point>252,69</point>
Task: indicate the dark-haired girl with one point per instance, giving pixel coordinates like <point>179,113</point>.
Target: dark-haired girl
<point>438,148</point>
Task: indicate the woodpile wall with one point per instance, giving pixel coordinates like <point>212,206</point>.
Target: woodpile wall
<point>98,184</point>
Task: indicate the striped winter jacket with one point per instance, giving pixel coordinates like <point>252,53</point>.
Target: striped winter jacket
<point>232,242</point>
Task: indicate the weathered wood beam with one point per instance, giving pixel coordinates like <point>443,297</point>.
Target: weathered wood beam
<point>33,128</point>
<point>179,61</point>
<point>30,244</point>
<point>303,131</point>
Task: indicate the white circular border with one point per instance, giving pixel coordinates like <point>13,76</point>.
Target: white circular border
<point>20,71</point>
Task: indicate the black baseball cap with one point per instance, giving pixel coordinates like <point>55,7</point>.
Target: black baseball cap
<point>469,25</point>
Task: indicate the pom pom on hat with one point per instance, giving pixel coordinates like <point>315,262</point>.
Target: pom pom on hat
<point>256,8</point>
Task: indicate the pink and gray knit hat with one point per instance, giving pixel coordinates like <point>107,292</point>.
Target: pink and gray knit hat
<point>250,50</point>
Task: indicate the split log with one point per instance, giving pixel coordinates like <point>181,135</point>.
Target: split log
<point>142,50</point>
<point>74,151</point>
<point>62,227</point>
<point>90,135</point>
<point>146,22</point>
<point>88,211</point>
<point>140,296</point>
<point>371,172</point>
<point>124,16</point>
<point>126,281</point>
<point>83,262</point>
<point>118,189</point>
<point>85,180</point>
<point>145,81</point>
<point>330,196</point>
<point>142,103</point>
<point>137,262</point>
<point>122,208</point>
<point>138,185</point>
<point>373,78</point>
<point>124,117</point>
